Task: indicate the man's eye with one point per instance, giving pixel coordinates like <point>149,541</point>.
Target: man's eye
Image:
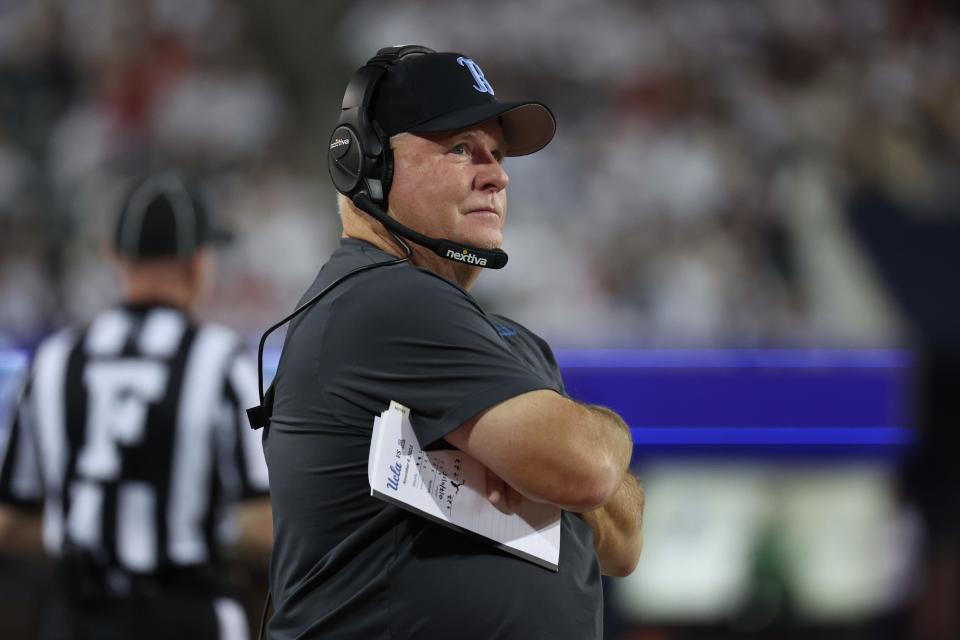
<point>459,149</point>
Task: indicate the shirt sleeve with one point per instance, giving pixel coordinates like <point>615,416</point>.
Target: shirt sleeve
<point>425,343</point>
<point>21,483</point>
<point>242,463</point>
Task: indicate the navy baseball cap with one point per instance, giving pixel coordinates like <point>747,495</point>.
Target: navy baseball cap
<point>438,92</point>
<point>163,216</point>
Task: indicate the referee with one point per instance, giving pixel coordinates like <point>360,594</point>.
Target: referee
<point>131,434</point>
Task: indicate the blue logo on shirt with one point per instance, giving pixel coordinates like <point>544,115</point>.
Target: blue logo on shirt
<point>505,331</point>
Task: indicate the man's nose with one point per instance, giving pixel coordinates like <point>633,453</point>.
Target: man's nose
<point>492,175</point>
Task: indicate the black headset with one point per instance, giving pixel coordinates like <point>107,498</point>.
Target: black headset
<point>359,158</point>
<point>360,161</point>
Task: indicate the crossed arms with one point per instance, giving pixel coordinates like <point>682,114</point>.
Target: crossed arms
<point>551,449</point>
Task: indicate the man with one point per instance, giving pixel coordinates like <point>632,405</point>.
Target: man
<point>377,327</point>
<point>131,434</point>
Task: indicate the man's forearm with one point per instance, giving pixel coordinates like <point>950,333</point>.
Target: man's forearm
<point>618,528</point>
<point>550,448</point>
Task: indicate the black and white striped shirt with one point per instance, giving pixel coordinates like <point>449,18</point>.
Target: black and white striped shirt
<point>132,434</point>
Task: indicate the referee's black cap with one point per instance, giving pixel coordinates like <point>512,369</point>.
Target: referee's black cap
<point>165,216</point>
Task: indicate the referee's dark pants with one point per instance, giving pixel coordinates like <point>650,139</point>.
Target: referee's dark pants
<point>182,607</point>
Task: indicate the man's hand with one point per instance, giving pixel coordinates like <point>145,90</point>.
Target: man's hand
<point>502,495</point>
<point>617,526</point>
<point>255,537</point>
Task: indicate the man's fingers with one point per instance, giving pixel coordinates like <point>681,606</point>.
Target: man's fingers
<point>498,492</point>
<point>494,487</point>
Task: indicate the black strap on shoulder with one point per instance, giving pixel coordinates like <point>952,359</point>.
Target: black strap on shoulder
<point>259,415</point>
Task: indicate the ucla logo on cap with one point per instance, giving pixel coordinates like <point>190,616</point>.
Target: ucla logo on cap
<point>482,85</point>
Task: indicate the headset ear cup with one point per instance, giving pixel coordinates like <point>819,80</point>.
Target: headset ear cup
<point>345,161</point>
<point>354,161</point>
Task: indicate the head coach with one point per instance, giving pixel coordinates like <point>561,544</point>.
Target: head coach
<point>418,160</point>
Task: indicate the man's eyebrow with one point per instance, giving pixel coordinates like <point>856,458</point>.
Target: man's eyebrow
<point>499,144</point>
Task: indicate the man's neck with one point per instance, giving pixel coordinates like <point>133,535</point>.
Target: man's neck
<point>461,274</point>
<point>141,289</point>
<point>183,303</point>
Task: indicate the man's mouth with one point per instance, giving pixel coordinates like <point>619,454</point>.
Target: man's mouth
<point>483,211</point>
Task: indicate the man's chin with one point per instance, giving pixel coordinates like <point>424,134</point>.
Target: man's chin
<point>482,241</point>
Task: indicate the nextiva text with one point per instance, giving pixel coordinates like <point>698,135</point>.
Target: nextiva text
<point>467,257</point>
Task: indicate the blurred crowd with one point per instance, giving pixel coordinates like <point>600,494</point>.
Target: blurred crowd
<point>741,173</point>
<point>94,93</point>
<point>696,194</point>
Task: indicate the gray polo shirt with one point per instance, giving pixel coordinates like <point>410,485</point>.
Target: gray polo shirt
<point>346,565</point>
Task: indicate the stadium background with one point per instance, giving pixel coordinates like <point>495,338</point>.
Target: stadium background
<point>745,235</point>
